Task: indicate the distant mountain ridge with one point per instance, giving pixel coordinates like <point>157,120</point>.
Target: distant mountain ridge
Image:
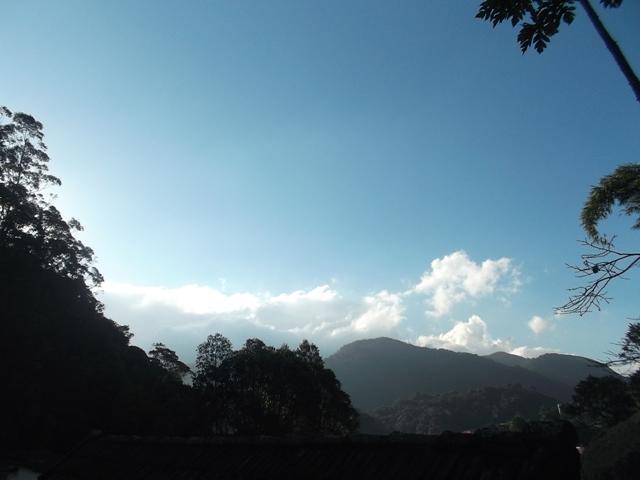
<point>569,369</point>
<point>378,372</point>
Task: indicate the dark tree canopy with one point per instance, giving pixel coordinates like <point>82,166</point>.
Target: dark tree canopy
<point>169,361</point>
<point>267,390</point>
<point>211,353</point>
<point>68,368</point>
<point>27,221</point>
<point>539,20</point>
<point>602,401</point>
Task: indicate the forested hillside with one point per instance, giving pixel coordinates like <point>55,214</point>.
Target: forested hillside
<point>460,411</point>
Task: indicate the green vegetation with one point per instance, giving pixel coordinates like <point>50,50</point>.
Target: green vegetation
<point>460,411</point>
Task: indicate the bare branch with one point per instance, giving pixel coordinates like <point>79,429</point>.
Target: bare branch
<point>600,266</point>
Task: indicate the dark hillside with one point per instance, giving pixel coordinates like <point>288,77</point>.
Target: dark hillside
<point>70,369</point>
<point>460,411</point>
<point>569,369</point>
<point>378,372</point>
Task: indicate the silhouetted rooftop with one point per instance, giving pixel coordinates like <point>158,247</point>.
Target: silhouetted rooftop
<point>508,456</point>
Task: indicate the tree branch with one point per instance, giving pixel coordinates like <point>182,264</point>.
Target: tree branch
<point>602,265</point>
<point>613,48</point>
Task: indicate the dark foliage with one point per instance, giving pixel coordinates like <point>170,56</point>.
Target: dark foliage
<point>601,402</point>
<point>621,187</point>
<point>67,369</point>
<point>167,359</point>
<point>539,20</point>
<point>615,455</point>
<point>261,389</point>
<point>28,223</point>
<point>629,353</point>
<point>460,411</point>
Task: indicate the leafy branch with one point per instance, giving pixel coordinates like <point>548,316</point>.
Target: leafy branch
<point>539,20</point>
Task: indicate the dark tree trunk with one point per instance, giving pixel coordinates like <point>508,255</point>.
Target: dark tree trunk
<point>613,47</point>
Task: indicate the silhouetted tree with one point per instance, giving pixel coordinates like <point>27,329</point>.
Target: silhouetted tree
<point>629,353</point>
<point>211,353</point>
<point>622,187</point>
<point>539,20</point>
<point>169,361</point>
<point>604,263</point>
<point>310,353</point>
<point>263,390</point>
<point>65,367</point>
<point>27,221</point>
<point>601,401</point>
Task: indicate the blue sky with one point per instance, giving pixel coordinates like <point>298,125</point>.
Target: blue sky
<point>290,169</point>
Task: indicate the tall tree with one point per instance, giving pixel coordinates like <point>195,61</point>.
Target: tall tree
<point>28,222</point>
<point>169,361</point>
<point>539,20</point>
<point>211,353</point>
<point>68,368</point>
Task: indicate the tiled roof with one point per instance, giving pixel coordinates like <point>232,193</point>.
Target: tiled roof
<point>508,456</point>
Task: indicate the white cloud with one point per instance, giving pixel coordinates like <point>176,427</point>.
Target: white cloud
<point>473,336</point>
<point>383,312</point>
<point>532,352</point>
<point>319,294</point>
<point>538,324</point>
<point>186,314</point>
<point>470,336</point>
<point>193,311</point>
<point>455,277</point>
<point>194,299</point>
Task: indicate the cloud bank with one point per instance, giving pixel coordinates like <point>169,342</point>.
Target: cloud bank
<point>183,316</point>
<point>193,311</point>
<point>473,336</point>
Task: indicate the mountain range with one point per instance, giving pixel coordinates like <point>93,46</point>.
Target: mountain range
<point>379,372</point>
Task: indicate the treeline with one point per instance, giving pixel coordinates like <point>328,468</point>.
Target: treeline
<point>261,389</point>
<point>66,369</point>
